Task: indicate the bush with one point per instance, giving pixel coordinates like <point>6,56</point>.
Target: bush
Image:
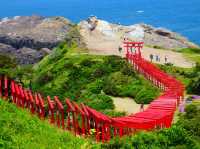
<point>87,63</point>
<point>114,83</point>
<point>7,62</point>
<point>191,111</point>
<point>95,87</point>
<point>114,63</point>
<point>97,101</point>
<point>191,120</point>
<point>113,113</point>
<point>127,69</point>
<point>194,86</point>
<point>45,78</point>
<point>145,96</point>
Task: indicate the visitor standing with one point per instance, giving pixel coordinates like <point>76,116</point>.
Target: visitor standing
<point>157,58</point>
<point>120,49</point>
<point>142,107</point>
<point>166,59</point>
<point>151,57</point>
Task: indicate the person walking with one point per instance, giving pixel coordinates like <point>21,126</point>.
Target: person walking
<point>120,49</point>
<point>142,107</point>
<point>151,57</point>
<point>166,59</point>
<point>157,58</point>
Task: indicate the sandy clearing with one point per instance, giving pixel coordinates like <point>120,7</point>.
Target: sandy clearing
<point>175,58</point>
<point>126,104</point>
<point>101,45</point>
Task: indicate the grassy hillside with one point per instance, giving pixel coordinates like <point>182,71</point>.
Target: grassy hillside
<point>191,54</point>
<point>19,129</point>
<point>90,79</point>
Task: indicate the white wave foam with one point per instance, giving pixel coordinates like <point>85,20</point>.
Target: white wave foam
<point>140,11</point>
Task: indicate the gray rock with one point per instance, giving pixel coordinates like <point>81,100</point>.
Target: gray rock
<point>7,49</point>
<point>166,39</point>
<point>28,56</point>
<point>46,51</point>
<point>24,36</point>
<point>23,55</point>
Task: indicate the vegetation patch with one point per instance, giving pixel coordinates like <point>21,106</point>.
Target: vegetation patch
<point>90,79</point>
<point>191,53</point>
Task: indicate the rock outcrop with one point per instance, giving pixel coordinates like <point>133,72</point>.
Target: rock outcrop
<point>26,37</point>
<point>157,37</point>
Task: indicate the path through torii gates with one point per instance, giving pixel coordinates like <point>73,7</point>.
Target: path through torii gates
<point>81,119</point>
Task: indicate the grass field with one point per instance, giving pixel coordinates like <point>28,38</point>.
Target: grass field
<point>21,130</point>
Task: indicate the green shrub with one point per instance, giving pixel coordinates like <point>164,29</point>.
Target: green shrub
<point>191,111</point>
<point>97,101</point>
<point>127,69</point>
<point>7,62</point>
<point>194,86</point>
<point>95,87</point>
<point>87,63</point>
<point>114,63</point>
<point>114,83</point>
<point>191,120</point>
<point>113,113</point>
<point>145,96</point>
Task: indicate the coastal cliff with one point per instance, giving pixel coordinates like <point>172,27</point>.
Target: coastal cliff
<point>28,39</point>
<point>96,31</point>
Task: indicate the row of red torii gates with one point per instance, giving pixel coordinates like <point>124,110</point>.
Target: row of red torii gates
<point>81,119</point>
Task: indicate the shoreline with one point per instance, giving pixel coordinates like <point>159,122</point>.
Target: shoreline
<point>178,31</point>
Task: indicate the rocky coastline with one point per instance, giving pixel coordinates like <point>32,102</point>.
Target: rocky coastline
<point>29,38</point>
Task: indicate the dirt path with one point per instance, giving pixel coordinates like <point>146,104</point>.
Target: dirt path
<point>126,104</point>
<point>98,44</point>
<point>173,57</point>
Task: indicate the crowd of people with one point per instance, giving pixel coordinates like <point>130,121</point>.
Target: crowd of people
<point>158,58</point>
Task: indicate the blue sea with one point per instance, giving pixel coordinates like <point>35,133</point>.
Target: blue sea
<point>182,16</point>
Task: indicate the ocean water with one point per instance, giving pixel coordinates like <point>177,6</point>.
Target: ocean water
<point>182,16</point>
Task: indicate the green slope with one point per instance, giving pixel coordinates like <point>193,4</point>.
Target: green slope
<point>90,79</point>
<point>19,129</point>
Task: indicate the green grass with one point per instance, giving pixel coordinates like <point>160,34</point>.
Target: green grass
<point>20,129</point>
<point>191,54</point>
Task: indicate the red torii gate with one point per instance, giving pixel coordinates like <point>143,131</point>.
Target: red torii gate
<point>129,45</point>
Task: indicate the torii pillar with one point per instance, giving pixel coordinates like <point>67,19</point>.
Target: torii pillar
<point>128,45</point>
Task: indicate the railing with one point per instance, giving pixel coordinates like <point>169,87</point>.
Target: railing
<point>81,119</point>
